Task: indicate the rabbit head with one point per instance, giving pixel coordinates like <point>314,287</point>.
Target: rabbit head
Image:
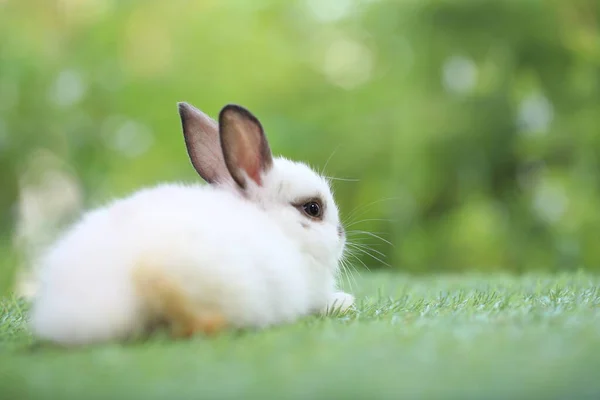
<point>234,154</point>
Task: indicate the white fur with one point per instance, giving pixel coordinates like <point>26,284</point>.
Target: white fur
<point>255,258</point>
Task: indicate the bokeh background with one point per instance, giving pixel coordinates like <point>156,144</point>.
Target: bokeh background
<point>468,131</point>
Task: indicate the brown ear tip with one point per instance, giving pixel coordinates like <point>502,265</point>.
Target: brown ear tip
<point>233,109</point>
<point>183,107</point>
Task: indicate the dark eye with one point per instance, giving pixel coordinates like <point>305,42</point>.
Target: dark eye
<point>313,209</point>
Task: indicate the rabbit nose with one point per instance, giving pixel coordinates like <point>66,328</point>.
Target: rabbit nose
<point>340,230</point>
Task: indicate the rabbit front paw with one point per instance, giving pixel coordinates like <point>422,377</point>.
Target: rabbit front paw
<point>340,302</point>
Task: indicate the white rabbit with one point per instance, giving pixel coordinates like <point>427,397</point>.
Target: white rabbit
<point>258,246</point>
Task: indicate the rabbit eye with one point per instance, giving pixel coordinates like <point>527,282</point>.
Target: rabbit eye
<point>313,209</point>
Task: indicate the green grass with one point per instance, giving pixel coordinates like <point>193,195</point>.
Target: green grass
<point>460,337</point>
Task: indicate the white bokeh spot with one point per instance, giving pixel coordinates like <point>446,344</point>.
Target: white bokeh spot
<point>535,115</point>
<point>68,89</point>
<point>459,75</point>
<point>348,63</point>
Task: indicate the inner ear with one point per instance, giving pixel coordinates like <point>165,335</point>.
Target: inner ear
<point>201,135</point>
<point>245,147</point>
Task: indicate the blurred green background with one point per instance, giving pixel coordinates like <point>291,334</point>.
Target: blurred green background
<point>469,129</point>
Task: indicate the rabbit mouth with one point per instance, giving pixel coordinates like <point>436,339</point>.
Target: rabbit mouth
<point>340,231</point>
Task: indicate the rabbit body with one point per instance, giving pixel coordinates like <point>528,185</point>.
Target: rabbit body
<point>247,258</point>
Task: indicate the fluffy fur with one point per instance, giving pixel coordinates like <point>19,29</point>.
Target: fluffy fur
<point>197,257</point>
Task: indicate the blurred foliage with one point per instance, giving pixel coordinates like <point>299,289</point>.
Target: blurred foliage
<point>471,127</point>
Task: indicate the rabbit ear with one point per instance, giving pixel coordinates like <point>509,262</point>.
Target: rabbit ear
<point>201,135</point>
<point>245,147</point>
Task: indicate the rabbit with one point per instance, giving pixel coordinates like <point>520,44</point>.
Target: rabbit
<point>257,245</point>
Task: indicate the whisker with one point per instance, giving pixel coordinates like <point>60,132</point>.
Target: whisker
<point>370,245</point>
<point>341,179</point>
<point>356,240</point>
<point>364,207</point>
<point>368,220</point>
<point>329,158</point>
<point>360,261</point>
<point>362,246</point>
<point>347,272</point>
<point>351,269</point>
<point>377,236</point>
<point>366,252</point>
<point>343,275</point>
<point>358,232</point>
